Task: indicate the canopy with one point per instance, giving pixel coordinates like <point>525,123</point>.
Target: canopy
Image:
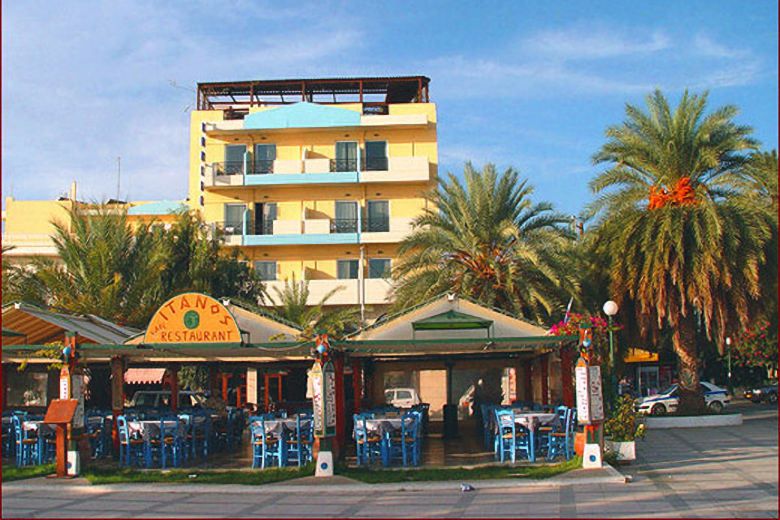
<point>451,320</point>
<point>144,375</point>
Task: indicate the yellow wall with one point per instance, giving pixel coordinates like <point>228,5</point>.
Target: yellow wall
<point>34,216</point>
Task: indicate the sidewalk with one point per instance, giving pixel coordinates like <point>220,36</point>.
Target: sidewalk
<point>335,484</point>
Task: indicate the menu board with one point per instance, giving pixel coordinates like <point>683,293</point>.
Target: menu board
<point>583,394</point>
<point>596,400</point>
<point>317,402</point>
<point>330,398</point>
<point>251,385</point>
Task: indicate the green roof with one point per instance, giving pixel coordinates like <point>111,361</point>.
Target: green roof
<point>451,320</point>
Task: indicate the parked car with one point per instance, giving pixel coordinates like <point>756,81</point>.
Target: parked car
<point>767,394</point>
<point>162,399</point>
<point>402,397</point>
<point>715,398</point>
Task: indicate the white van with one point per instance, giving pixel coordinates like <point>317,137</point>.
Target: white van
<point>402,397</point>
<point>162,399</point>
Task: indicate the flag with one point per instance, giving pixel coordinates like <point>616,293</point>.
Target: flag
<point>568,308</point>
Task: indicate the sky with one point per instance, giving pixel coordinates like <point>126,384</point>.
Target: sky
<point>524,84</point>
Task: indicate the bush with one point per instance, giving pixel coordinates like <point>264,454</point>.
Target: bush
<point>624,424</point>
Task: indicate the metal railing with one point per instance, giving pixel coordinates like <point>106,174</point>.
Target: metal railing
<point>229,168</point>
<point>344,225</point>
<point>343,165</point>
<point>265,228</point>
<point>377,224</point>
<point>260,166</point>
<point>229,228</point>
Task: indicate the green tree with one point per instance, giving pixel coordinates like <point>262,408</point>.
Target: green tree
<point>488,241</point>
<point>676,231</point>
<point>290,304</point>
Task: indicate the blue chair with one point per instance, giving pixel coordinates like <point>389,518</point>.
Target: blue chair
<point>368,444</point>
<point>130,447</point>
<point>26,444</point>
<point>94,426</point>
<point>504,438</point>
<point>555,440</point>
<point>167,447</point>
<point>404,444</point>
<point>267,449</point>
<point>298,444</point>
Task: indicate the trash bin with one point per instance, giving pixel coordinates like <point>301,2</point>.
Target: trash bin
<point>450,412</point>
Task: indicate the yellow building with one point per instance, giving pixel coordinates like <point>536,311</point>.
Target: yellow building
<point>317,179</point>
<point>28,224</point>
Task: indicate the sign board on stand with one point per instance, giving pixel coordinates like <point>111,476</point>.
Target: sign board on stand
<point>590,410</point>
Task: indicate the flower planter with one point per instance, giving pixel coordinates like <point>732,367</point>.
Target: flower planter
<point>625,451</point>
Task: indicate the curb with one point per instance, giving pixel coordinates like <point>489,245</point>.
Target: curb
<point>703,421</point>
<point>612,477</point>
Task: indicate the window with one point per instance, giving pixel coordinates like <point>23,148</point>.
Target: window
<point>403,394</point>
<point>347,269</point>
<point>234,219</point>
<point>378,267</point>
<point>265,155</point>
<point>378,212</point>
<point>234,160</point>
<point>346,217</point>
<point>346,156</point>
<point>376,156</point>
<point>26,388</point>
<point>266,270</point>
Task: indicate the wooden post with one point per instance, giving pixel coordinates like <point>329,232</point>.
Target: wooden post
<point>528,392</point>
<point>117,395</point>
<point>545,392</point>
<point>566,376</point>
<point>357,384</point>
<point>338,363</point>
<point>174,368</point>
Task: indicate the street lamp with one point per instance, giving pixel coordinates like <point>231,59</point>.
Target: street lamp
<point>610,309</point>
<point>728,347</point>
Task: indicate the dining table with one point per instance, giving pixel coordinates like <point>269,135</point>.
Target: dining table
<point>148,429</point>
<point>532,421</point>
<point>385,425</point>
<point>283,424</point>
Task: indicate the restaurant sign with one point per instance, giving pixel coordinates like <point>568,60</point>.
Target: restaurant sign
<point>323,380</point>
<point>192,318</point>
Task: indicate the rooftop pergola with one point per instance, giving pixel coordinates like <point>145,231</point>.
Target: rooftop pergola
<point>374,93</point>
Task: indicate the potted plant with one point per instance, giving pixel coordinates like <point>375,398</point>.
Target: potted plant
<point>622,428</point>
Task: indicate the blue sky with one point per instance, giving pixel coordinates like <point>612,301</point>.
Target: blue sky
<point>527,84</point>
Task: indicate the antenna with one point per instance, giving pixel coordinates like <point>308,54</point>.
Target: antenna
<point>118,175</point>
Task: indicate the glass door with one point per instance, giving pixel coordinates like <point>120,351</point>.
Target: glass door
<point>234,219</point>
<point>265,155</point>
<point>265,214</point>
<point>378,213</point>
<point>346,217</point>
<point>376,156</point>
<point>346,156</point>
<point>234,160</point>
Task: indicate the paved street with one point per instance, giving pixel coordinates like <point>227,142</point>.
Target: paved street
<point>681,473</point>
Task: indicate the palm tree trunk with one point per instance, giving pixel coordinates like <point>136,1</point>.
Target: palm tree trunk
<point>689,389</point>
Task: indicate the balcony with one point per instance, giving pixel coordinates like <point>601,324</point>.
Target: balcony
<point>317,171</point>
<point>315,231</point>
<point>377,291</point>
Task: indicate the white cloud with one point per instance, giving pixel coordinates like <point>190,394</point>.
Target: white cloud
<point>592,43</point>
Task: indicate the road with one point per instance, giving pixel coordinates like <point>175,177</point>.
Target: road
<point>680,473</point>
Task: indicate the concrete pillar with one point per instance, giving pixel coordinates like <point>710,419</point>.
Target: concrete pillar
<point>545,383</point>
<point>117,365</point>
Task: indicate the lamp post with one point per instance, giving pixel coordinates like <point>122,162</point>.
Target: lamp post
<point>728,347</point>
<point>610,309</point>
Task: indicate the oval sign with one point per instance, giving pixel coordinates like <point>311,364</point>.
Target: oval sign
<point>192,318</point>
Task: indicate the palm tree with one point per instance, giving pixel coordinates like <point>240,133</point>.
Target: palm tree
<point>488,241</point>
<point>291,305</point>
<point>678,236</point>
<point>104,267</point>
